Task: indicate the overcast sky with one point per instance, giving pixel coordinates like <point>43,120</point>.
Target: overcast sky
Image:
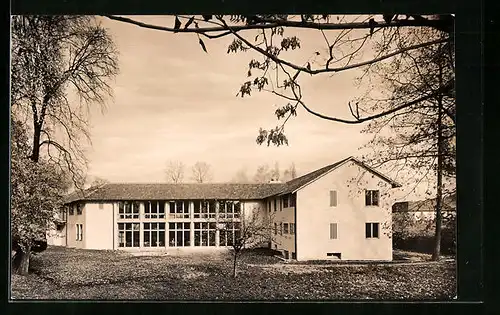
<point>173,101</point>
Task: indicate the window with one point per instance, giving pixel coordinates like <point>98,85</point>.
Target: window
<point>275,229</point>
<point>269,205</point>
<point>372,197</point>
<point>179,209</point>
<point>294,255</point>
<point>285,228</point>
<point>275,204</point>
<point>292,228</point>
<point>154,210</point>
<point>371,230</point>
<point>285,201</point>
<point>128,234</point>
<point>128,210</point>
<point>229,209</point>
<point>280,204</point>
<point>333,231</point>
<point>179,234</point>
<point>204,209</point>
<point>79,208</point>
<point>293,200</point>
<point>229,234</point>
<point>79,232</point>
<point>333,198</point>
<point>71,210</point>
<point>286,254</point>
<point>101,205</point>
<point>153,234</point>
<point>281,228</point>
<point>204,233</point>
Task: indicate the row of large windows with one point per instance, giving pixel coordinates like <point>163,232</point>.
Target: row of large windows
<point>227,209</point>
<point>179,234</point>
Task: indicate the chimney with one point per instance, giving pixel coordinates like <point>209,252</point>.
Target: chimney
<point>274,181</point>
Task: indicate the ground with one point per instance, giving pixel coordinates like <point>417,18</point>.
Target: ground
<point>61,273</point>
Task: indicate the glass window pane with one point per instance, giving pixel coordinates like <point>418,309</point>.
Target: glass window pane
<point>187,236</point>
<point>375,229</point>
<point>154,226</point>
<point>171,238</point>
<point>368,230</point>
<point>154,238</point>
<point>197,238</point>
<point>128,239</point>
<point>121,239</point>
<point>161,238</point>
<point>120,226</point>
<point>187,226</point>
<point>161,207</point>
<point>146,226</point>
<point>146,239</point>
<point>128,226</point>
<point>161,226</point>
<point>171,226</point>
<point>172,206</point>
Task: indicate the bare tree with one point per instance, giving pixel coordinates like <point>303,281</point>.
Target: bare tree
<point>51,57</point>
<point>262,174</point>
<point>290,173</point>
<point>174,172</point>
<point>253,230</point>
<point>241,177</point>
<point>201,172</point>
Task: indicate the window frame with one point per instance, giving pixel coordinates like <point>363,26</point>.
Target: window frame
<point>334,236</point>
<point>79,232</point>
<point>285,228</point>
<point>372,195</point>
<point>150,230</point>
<point>369,232</point>
<point>292,228</point>
<point>79,209</point>
<point>333,193</point>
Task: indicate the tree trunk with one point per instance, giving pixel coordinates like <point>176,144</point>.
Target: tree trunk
<point>21,261</point>
<point>439,193</point>
<point>234,264</point>
<point>36,142</point>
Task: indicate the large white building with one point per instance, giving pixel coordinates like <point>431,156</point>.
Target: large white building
<point>341,211</point>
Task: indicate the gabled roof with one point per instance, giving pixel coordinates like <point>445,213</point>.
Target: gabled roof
<point>298,183</point>
<point>228,191</point>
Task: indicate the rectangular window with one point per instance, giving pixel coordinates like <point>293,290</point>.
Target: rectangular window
<point>154,209</point>
<point>333,198</point>
<point>293,200</point>
<point>179,209</point>
<point>285,201</point>
<point>229,234</point>
<point>372,197</point>
<point>179,234</point>
<point>275,204</point>
<point>79,208</point>
<point>286,254</point>
<point>285,228</point>
<point>294,256</point>
<point>292,228</point>
<point>128,234</point>
<point>333,231</point>
<point>153,234</point>
<point>71,210</point>
<point>269,205</point>
<point>101,205</point>
<point>79,232</point>
<point>128,210</point>
<point>204,233</point>
<point>275,229</point>
<point>371,230</point>
<point>281,228</point>
<point>229,209</point>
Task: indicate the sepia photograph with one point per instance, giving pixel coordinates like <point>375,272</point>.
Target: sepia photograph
<point>233,157</point>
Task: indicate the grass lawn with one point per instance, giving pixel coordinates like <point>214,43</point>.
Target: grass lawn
<point>61,273</point>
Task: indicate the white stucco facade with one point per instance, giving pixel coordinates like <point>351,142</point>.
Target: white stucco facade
<point>314,216</point>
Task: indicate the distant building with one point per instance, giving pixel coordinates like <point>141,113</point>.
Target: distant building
<point>340,211</point>
<point>426,209</point>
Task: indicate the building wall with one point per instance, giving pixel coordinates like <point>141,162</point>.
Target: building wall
<point>282,241</point>
<point>71,228</point>
<point>98,227</point>
<point>56,238</point>
<point>314,216</point>
<point>254,211</point>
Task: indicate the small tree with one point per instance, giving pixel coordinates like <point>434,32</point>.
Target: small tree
<point>201,172</point>
<point>174,172</point>
<point>254,230</point>
<point>241,177</point>
<point>290,173</point>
